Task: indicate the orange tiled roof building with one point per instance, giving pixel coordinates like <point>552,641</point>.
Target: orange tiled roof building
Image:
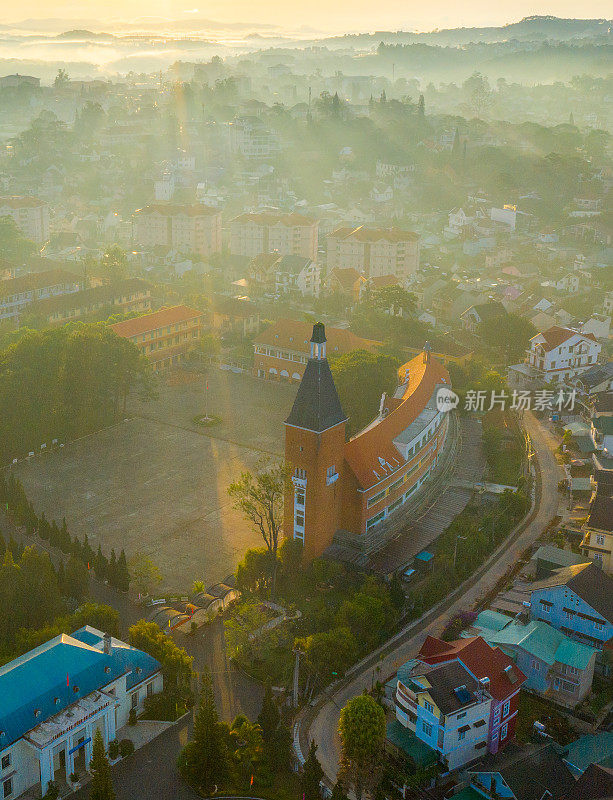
<point>353,491</point>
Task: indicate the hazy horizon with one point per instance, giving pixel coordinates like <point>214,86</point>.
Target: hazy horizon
<point>282,18</point>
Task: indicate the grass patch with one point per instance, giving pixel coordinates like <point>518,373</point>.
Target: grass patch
<point>504,447</point>
<point>533,708</point>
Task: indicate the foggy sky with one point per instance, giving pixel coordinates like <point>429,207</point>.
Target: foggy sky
<point>317,15</point>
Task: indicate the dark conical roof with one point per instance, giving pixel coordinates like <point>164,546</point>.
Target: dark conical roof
<point>319,333</point>
<point>317,406</point>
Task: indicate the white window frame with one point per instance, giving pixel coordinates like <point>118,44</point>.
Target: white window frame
<point>503,731</point>
<point>506,708</point>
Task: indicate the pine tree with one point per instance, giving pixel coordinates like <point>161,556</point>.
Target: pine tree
<point>101,565</point>
<point>112,569</point>
<point>269,716</point>
<point>338,792</point>
<point>102,783</point>
<point>205,758</point>
<point>312,773</point>
<point>421,106</point>
<point>123,573</point>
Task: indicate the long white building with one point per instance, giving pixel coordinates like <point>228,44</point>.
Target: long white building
<point>54,698</point>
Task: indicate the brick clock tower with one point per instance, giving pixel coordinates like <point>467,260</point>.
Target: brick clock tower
<point>314,451</point>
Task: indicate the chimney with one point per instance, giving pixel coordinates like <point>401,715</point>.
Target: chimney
<point>106,644</point>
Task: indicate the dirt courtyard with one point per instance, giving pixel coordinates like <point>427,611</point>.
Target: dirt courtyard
<point>156,482</point>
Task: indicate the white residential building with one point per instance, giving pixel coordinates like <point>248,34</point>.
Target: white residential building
<point>556,355</point>
<point>30,214</point>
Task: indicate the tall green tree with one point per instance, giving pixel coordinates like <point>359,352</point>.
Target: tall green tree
<point>260,499</point>
<point>362,730</point>
<point>311,775</point>
<point>269,717</point>
<point>360,378</point>
<point>205,758</point>
<point>101,787</point>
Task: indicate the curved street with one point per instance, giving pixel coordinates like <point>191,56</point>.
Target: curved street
<point>321,721</point>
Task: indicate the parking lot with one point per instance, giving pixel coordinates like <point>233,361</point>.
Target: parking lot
<point>156,482</point>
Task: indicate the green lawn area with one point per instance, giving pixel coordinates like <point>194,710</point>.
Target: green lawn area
<point>532,708</point>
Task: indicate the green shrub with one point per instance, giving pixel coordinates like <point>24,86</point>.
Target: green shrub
<point>132,717</point>
<point>126,747</point>
<point>113,749</point>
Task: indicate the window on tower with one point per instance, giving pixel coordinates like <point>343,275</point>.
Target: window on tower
<point>300,474</point>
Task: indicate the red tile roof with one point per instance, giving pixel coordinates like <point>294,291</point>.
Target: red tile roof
<point>152,322</point>
<point>346,277</point>
<point>21,202</point>
<point>556,336</point>
<point>479,658</point>
<point>377,441</point>
<point>37,280</point>
<point>363,234</point>
<point>296,335</point>
<point>271,218</point>
<point>174,209</point>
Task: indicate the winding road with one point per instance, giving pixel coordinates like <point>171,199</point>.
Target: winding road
<point>320,721</point>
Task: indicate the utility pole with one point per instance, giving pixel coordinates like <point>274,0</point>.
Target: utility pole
<point>297,653</point>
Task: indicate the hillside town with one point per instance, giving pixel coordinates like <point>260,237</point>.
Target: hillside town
<point>306,380</point>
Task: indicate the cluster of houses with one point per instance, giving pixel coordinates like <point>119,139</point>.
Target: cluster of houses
<point>457,702</point>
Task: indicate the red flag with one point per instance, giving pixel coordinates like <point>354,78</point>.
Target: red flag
<point>67,680</point>
<point>251,781</point>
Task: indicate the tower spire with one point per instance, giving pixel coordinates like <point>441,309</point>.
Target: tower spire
<point>318,341</point>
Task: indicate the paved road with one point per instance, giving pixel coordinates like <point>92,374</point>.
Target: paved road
<point>324,723</point>
<point>151,772</point>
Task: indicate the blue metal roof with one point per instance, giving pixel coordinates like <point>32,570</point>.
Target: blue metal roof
<point>38,681</point>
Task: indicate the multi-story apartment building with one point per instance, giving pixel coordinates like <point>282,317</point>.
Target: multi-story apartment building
<point>130,295</point>
<point>282,350</point>
<point>17,294</point>
<point>30,214</point>
<point>554,664</point>
<point>192,228</point>
<point>558,355</point>
<point>358,492</point>
<point>578,601</point>
<point>374,251</point>
<point>165,336</point>
<point>459,698</point>
<point>55,698</point>
<point>251,138</point>
<point>267,232</point>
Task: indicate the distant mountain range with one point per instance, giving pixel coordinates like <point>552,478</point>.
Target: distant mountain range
<point>536,28</point>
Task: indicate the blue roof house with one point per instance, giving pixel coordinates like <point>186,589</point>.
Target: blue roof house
<point>554,664</point>
<point>53,698</point>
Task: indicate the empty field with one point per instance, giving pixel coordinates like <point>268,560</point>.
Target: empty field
<point>156,482</point>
